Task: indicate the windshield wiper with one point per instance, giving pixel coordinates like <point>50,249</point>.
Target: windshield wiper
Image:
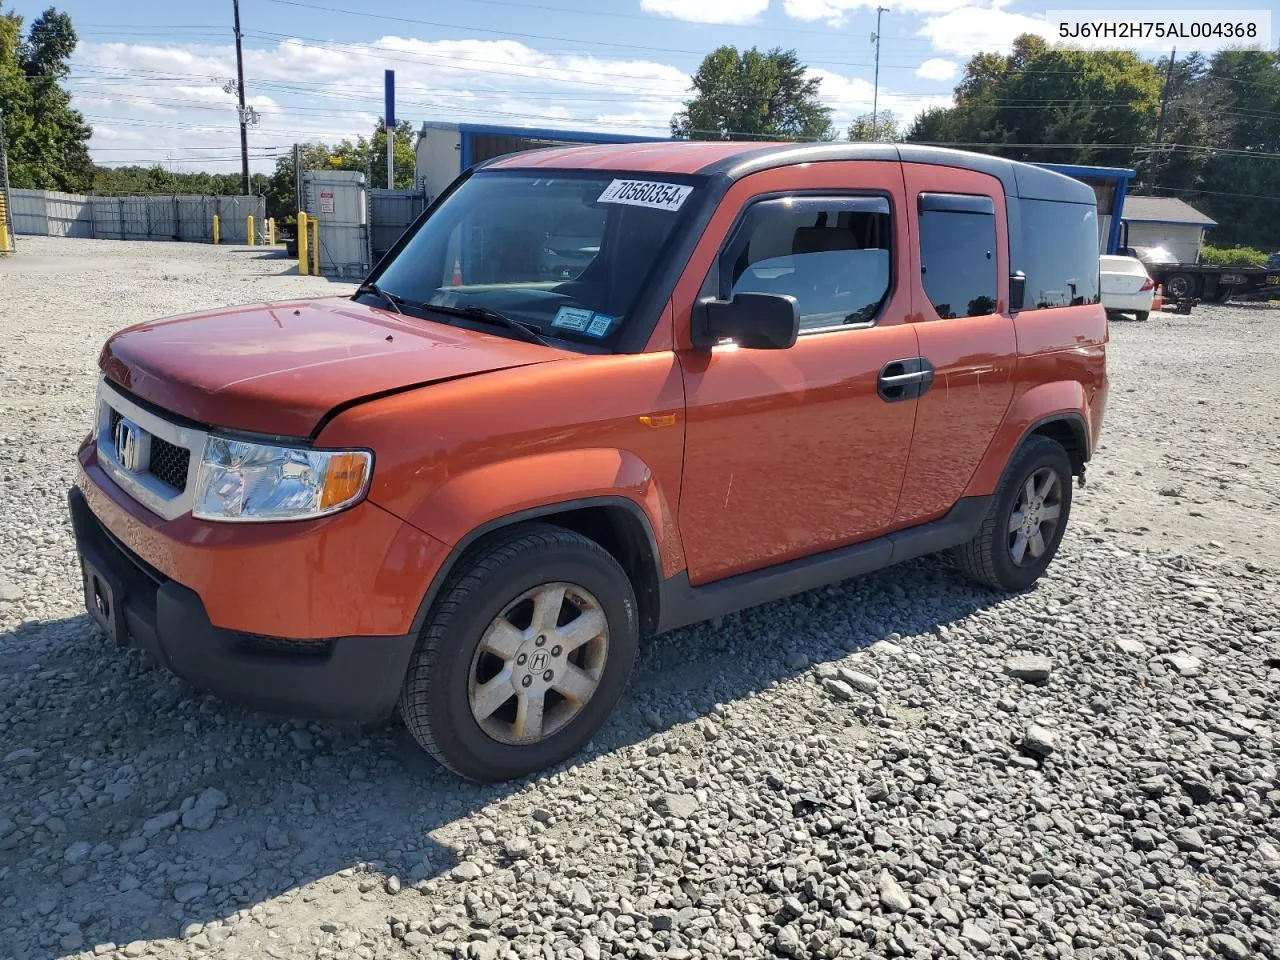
<point>390,299</point>
<point>473,311</point>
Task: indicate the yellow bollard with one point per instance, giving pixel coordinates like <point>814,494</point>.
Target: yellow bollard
<point>248,228</point>
<point>304,259</point>
<point>216,239</point>
<point>271,231</point>
<point>315,246</point>
<point>4,228</point>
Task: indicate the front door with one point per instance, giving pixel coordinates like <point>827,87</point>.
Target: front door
<point>795,451</point>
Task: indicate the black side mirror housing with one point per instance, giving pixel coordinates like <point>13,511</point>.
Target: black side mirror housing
<point>755,321</point>
<point>1017,291</point>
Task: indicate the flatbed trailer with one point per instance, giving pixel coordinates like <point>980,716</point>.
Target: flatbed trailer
<point>1211,284</point>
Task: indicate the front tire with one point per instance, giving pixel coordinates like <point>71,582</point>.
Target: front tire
<point>1028,516</point>
<point>524,655</point>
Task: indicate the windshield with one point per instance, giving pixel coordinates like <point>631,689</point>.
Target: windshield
<point>565,254</point>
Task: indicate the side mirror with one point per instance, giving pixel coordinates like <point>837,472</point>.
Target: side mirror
<point>755,321</point>
<point>1017,291</point>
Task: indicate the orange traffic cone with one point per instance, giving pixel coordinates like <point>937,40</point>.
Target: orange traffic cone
<point>1157,303</point>
<point>456,279</point>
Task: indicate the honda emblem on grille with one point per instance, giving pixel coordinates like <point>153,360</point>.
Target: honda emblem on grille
<point>128,440</point>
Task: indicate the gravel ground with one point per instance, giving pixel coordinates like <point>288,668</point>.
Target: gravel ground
<point>901,765</point>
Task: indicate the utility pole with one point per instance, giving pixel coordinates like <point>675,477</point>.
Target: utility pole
<point>875,95</point>
<point>244,116</point>
<point>297,178</point>
<point>1164,97</point>
<point>1157,155</point>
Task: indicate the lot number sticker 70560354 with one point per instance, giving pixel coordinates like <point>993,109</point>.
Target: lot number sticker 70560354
<point>646,193</point>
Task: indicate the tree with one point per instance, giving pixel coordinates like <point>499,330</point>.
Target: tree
<point>1238,182</point>
<point>47,141</point>
<point>753,95</point>
<point>1219,144</point>
<point>282,201</point>
<point>404,158</point>
<point>883,127</point>
<point>1048,95</point>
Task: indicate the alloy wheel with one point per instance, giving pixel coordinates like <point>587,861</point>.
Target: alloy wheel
<point>1035,516</point>
<point>538,663</point>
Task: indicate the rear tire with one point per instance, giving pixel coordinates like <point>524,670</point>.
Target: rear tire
<point>1182,285</point>
<point>482,693</point>
<point>1028,516</point>
<point>1141,315</point>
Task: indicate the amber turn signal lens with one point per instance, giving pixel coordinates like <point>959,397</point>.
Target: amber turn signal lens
<point>344,479</point>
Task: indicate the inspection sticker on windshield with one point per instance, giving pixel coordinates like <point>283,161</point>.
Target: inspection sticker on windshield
<point>646,193</point>
<point>572,318</point>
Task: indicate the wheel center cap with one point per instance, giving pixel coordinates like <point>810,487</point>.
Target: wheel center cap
<point>538,661</point>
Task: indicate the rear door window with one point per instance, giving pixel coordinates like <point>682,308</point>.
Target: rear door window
<point>958,253</point>
<point>833,254</point>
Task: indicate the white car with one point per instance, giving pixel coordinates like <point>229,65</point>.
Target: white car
<point>1126,286</point>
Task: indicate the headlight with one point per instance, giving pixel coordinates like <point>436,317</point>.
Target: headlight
<point>238,480</point>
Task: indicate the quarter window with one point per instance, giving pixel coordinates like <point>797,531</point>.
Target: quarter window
<point>958,254</point>
<point>831,254</point>
<point>1059,254</point>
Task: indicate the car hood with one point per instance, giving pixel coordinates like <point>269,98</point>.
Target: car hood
<point>280,368</point>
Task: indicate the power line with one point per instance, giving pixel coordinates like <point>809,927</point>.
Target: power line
<point>1222,193</point>
<point>575,11</point>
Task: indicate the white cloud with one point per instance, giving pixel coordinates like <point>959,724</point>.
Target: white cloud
<point>169,100</point>
<point>938,68</point>
<point>971,29</point>
<point>707,11</point>
<point>835,12</point>
<point>851,97</point>
<point>150,103</point>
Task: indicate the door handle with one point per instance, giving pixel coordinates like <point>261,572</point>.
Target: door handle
<point>904,379</point>
<point>915,377</point>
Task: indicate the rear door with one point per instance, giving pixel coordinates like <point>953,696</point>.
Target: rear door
<point>961,315</point>
<point>791,452</point>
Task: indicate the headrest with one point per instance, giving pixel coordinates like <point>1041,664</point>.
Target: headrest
<point>821,240</point>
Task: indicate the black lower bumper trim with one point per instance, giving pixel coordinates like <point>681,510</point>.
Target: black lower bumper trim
<point>347,678</point>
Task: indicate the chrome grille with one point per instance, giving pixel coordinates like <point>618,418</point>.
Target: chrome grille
<point>158,450</point>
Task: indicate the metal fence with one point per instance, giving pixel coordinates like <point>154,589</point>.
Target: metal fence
<point>390,212</point>
<point>165,217</point>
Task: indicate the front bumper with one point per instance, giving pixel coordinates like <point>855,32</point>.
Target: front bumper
<point>347,678</point>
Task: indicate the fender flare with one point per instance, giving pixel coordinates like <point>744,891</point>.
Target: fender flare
<point>546,511</point>
<point>1057,402</point>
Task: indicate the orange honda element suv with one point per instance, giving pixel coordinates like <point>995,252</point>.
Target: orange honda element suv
<point>591,395</point>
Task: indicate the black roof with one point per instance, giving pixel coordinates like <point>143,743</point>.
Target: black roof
<point>1023,180</point>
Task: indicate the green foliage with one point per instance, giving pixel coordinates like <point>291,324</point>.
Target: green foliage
<point>1220,139</point>
<point>884,128</point>
<point>134,180</point>
<point>753,95</point>
<point>1232,256</point>
<point>1045,95</point>
<point>367,156</point>
<point>47,141</point>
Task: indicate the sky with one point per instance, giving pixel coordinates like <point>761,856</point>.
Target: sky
<point>149,75</point>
